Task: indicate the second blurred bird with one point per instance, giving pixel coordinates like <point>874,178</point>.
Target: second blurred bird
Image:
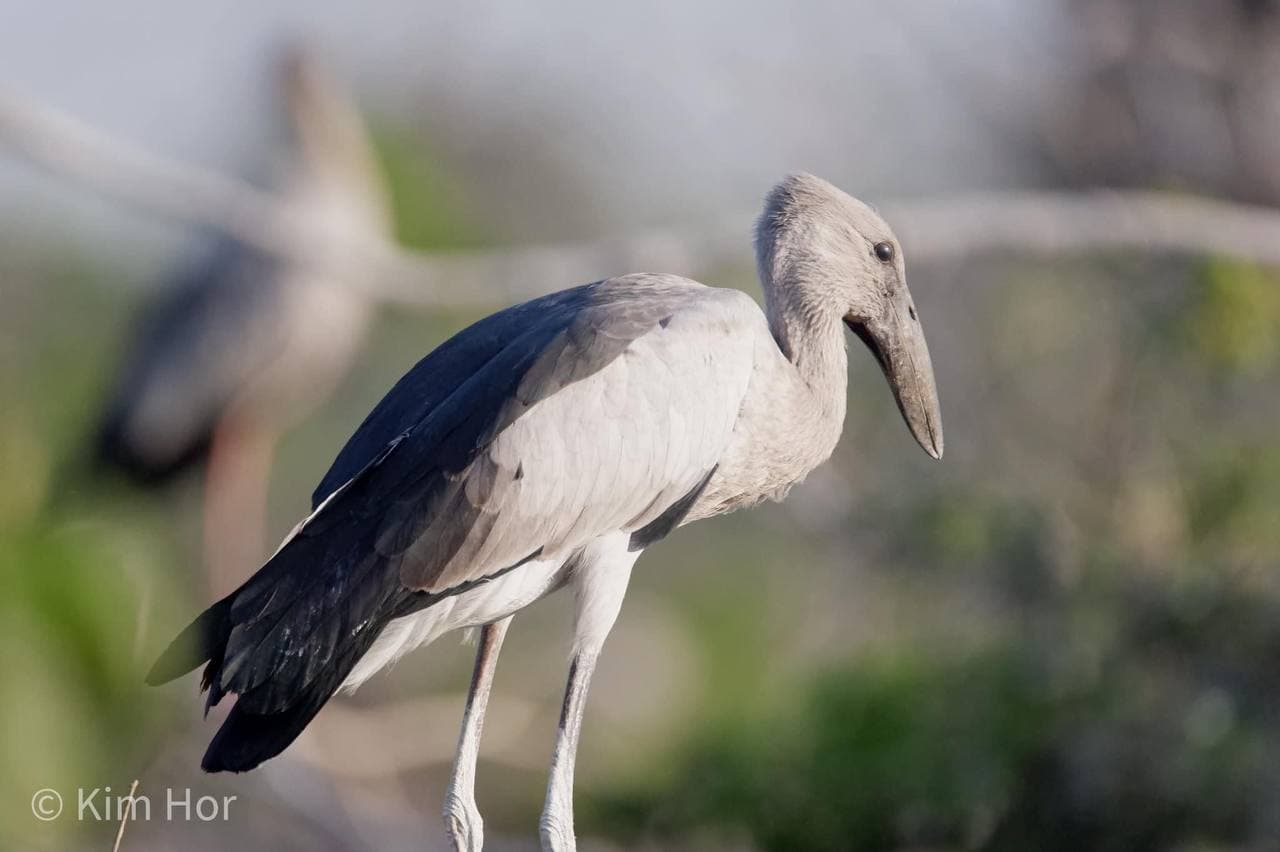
<point>243,345</point>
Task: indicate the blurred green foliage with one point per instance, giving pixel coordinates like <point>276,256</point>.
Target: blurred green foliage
<point>81,581</point>
<point>1124,714</point>
<point>73,710</point>
<point>1234,319</point>
<point>902,745</point>
<point>428,206</point>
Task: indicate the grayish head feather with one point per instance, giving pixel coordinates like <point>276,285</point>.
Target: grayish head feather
<point>816,245</point>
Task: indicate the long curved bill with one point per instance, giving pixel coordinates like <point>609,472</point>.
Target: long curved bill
<point>897,341</point>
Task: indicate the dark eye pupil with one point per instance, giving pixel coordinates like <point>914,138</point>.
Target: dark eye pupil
<point>884,251</point>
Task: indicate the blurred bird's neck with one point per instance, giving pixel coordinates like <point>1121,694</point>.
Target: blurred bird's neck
<point>334,164</point>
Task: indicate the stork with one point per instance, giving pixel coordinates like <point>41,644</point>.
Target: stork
<point>244,345</point>
<point>546,447</point>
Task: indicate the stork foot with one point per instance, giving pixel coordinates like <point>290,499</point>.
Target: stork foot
<point>463,824</point>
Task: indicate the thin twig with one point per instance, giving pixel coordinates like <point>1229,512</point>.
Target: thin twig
<point>932,230</point>
<point>124,817</point>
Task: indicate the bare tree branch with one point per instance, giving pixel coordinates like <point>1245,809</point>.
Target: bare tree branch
<point>68,148</point>
<point>1059,223</point>
<point>932,230</point>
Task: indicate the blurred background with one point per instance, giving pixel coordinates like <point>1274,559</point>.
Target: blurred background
<point>1065,636</point>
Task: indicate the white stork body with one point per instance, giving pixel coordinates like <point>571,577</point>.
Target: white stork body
<point>546,446</point>
<point>485,604</point>
<point>648,395</point>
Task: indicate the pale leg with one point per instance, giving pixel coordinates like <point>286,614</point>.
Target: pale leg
<point>237,478</point>
<point>461,816</point>
<point>600,582</point>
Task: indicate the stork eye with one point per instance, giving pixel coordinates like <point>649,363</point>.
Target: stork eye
<point>884,251</point>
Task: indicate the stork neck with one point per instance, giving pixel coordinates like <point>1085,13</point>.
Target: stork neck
<point>811,338</point>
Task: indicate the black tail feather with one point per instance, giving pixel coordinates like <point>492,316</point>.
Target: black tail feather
<point>247,738</point>
<point>204,640</point>
<point>270,714</point>
<point>287,640</point>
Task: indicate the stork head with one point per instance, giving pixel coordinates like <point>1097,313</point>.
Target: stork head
<point>831,257</point>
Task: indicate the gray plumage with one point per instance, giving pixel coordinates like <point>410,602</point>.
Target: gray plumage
<point>546,446</point>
